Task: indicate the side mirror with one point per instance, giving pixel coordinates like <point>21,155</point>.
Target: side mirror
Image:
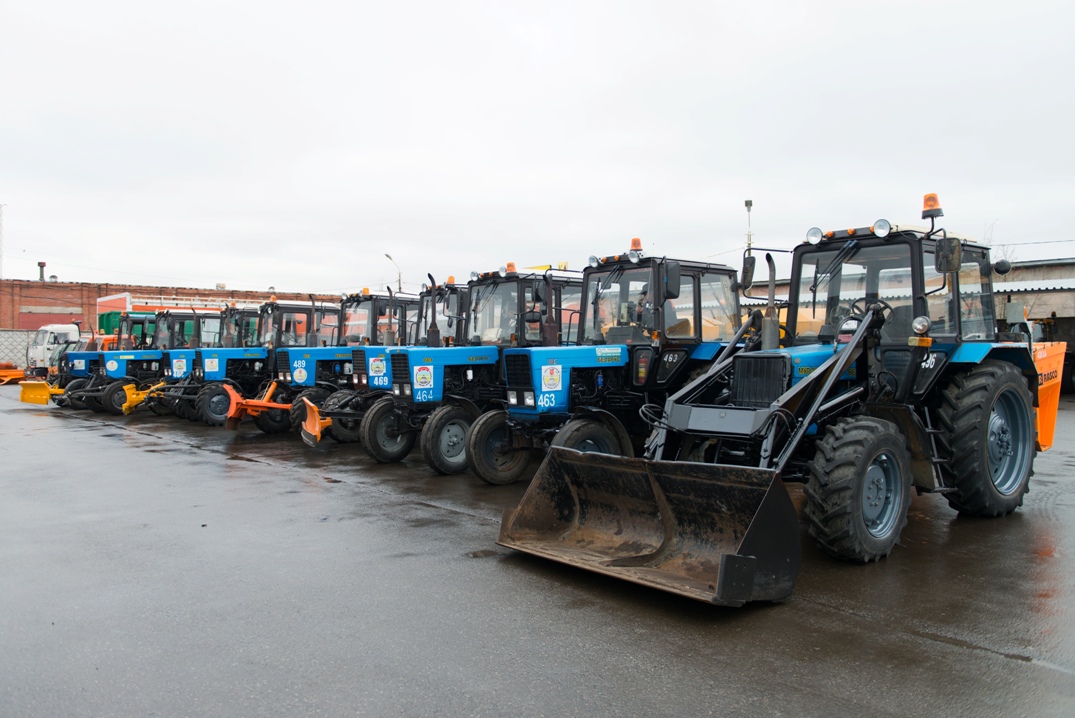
<point>671,280</point>
<point>1003,266</point>
<point>948,255</point>
<point>748,272</point>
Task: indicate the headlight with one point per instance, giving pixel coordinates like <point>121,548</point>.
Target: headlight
<point>921,325</point>
<point>407,389</point>
<point>528,398</point>
<point>362,381</point>
<point>634,256</point>
<point>881,228</point>
<point>813,236</point>
<point>287,377</point>
<point>513,398</point>
<point>280,375</point>
<point>594,261</point>
<point>395,389</point>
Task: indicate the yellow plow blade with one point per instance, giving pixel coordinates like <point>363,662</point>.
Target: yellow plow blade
<point>136,397</point>
<point>37,392</point>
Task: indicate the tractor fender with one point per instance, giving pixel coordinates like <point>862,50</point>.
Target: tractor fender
<point>974,353</point>
<point>609,419</point>
<point>464,402</point>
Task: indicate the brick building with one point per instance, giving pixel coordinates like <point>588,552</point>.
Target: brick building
<point>27,305</point>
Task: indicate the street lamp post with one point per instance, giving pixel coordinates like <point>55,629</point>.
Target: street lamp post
<point>399,273</point>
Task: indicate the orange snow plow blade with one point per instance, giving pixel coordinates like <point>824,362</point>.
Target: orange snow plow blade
<point>11,374</point>
<point>721,534</point>
<point>1049,362</point>
<point>241,407</point>
<point>37,392</point>
<point>313,425</point>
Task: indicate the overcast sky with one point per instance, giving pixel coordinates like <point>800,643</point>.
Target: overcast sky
<point>294,144</point>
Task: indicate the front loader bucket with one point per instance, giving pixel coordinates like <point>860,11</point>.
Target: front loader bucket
<point>313,425</point>
<point>37,392</point>
<point>721,534</point>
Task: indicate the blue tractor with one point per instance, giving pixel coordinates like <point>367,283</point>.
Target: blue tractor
<point>439,391</point>
<point>340,416</point>
<point>890,378</point>
<point>304,374</point>
<point>645,326</point>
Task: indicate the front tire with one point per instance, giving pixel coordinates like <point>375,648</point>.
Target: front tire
<point>444,439</point>
<point>75,402</point>
<point>316,396</point>
<point>491,452</point>
<point>114,398</point>
<point>383,434</point>
<point>273,421</point>
<point>588,435</point>
<point>859,489</point>
<point>988,435</point>
<point>212,404</point>
<point>345,431</point>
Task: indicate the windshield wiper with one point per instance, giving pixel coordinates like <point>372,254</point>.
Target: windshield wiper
<point>823,276</point>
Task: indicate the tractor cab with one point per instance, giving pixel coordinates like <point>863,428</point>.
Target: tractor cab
<point>377,319</point>
<point>443,309</point>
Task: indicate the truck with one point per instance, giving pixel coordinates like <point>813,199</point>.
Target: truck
<point>44,343</point>
<point>891,379</point>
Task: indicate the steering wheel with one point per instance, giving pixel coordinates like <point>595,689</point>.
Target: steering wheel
<point>885,306</point>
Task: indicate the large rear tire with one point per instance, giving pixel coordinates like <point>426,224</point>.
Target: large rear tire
<point>316,396</point>
<point>491,452</point>
<point>383,434</point>
<point>444,439</point>
<point>859,489</point>
<point>988,435</point>
<point>212,404</point>
<point>345,431</point>
<point>588,435</point>
<point>114,398</point>
<point>186,408</point>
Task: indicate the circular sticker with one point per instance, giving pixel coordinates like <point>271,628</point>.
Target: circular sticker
<point>112,365</point>
<point>300,375</point>
<point>423,376</point>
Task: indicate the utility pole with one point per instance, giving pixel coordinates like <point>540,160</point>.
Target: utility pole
<point>750,237</point>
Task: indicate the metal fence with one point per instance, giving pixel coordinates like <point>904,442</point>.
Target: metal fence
<point>13,343</point>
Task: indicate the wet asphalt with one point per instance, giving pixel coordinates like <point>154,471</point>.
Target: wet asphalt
<point>152,566</point>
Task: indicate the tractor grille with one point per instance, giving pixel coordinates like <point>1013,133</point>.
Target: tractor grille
<point>401,370</point>
<point>282,363</point>
<point>759,379</point>
<point>358,361</point>
<point>517,367</point>
<point>197,363</point>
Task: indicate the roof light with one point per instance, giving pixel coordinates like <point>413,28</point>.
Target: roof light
<point>851,232</point>
<point>365,291</point>
<point>594,261</point>
<point>451,279</point>
<point>503,271</point>
<point>425,287</point>
<point>636,250</point>
<point>931,206</point>
<point>813,235</point>
<point>636,244</point>
<point>881,228</point>
<point>474,276</point>
<point>830,234</point>
<point>272,298</point>
<point>510,267</point>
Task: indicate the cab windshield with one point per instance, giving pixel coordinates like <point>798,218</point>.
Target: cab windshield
<point>356,323</point>
<point>618,306</point>
<point>495,313</point>
<point>836,283</point>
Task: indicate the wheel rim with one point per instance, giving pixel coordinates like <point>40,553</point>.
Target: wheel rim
<point>597,444</point>
<point>219,405</point>
<point>452,441</point>
<point>499,450</point>
<point>1009,442</point>
<point>388,435</point>
<point>881,495</point>
<point>119,398</point>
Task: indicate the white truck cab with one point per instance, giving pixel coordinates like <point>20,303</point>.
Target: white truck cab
<point>44,343</point>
